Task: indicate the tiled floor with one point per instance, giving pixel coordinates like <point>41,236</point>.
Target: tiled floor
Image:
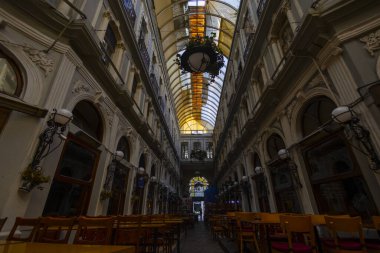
<point>199,240</point>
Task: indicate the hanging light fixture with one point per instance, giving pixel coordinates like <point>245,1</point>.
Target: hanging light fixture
<point>201,55</point>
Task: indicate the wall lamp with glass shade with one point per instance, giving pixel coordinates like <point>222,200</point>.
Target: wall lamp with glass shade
<point>284,154</point>
<point>56,125</point>
<point>259,171</point>
<point>33,176</point>
<point>344,115</point>
<point>107,192</point>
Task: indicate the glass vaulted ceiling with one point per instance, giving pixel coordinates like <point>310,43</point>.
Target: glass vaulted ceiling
<point>195,98</point>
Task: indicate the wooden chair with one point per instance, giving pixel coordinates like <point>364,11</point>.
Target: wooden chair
<point>96,231</point>
<point>348,225</point>
<point>54,230</point>
<point>246,230</point>
<point>218,226</point>
<point>2,222</point>
<point>297,229</point>
<point>27,227</point>
<point>374,245</point>
<point>128,231</point>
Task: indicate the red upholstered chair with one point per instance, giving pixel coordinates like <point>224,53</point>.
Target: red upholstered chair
<point>347,233</point>
<point>54,230</point>
<point>97,231</point>
<point>27,227</point>
<point>300,235</point>
<point>246,230</point>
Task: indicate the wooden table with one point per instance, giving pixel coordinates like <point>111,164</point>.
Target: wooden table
<point>154,226</point>
<point>178,223</point>
<point>22,247</point>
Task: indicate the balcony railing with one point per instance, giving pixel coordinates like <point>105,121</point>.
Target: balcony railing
<point>249,45</point>
<point>130,10</point>
<point>261,7</point>
<point>144,53</point>
<point>154,82</point>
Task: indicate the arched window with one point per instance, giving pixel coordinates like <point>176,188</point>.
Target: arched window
<point>334,173</point>
<point>119,182</point>
<point>274,144</point>
<point>197,186</point>
<point>10,84</point>
<point>123,145</point>
<point>87,117</point>
<point>285,36</point>
<point>256,161</point>
<point>316,113</point>
<point>10,76</point>
<point>138,193</point>
<point>110,39</point>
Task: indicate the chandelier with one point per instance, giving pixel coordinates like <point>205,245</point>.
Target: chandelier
<point>201,55</point>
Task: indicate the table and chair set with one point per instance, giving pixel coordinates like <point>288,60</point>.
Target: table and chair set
<point>91,234</point>
<point>297,233</point>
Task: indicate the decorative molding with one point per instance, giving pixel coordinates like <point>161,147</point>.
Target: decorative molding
<point>40,59</point>
<point>81,87</point>
<point>131,134</point>
<point>317,81</point>
<point>372,42</point>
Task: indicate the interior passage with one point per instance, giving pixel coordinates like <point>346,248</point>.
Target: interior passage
<point>199,240</point>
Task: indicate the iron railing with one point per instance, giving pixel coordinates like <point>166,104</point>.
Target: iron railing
<point>144,53</point>
<point>154,83</point>
<point>261,7</point>
<point>130,10</point>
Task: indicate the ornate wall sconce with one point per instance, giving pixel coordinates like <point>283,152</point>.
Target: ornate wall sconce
<point>259,171</point>
<point>32,176</point>
<point>344,115</point>
<point>285,155</point>
<point>107,192</point>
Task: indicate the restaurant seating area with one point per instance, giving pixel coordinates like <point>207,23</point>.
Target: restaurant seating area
<point>189,126</point>
<point>293,232</point>
<point>143,233</point>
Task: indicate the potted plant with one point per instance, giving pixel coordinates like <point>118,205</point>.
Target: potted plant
<point>32,177</point>
<point>105,194</point>
<point>198,154</point>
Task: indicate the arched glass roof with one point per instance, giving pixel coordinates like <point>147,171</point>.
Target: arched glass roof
<point>195,98</point>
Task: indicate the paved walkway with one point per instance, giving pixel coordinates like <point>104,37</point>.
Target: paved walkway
<point>199,240</point>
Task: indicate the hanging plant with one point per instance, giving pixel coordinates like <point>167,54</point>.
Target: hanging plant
<point>105,194</point>
<point>32,177</point>
<point>201,55</point>
<point>198,154</point>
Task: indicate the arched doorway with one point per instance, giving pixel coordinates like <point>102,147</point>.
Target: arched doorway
<point>120,179</point>
<point>151,192</point>
<point>139,186</point>
<point>261,185</point>
<point>71,188</point>
<point>335,176</point>
<point>286,195</point>
<point>197,187</point>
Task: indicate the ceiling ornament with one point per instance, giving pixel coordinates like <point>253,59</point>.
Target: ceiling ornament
<point>201,55</point>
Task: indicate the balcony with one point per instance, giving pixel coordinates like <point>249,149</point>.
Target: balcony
<point>130,10</point>
<point>261,7</point>
<point>144,53</point>
<point>153,81</point>
<point>249,45</point>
